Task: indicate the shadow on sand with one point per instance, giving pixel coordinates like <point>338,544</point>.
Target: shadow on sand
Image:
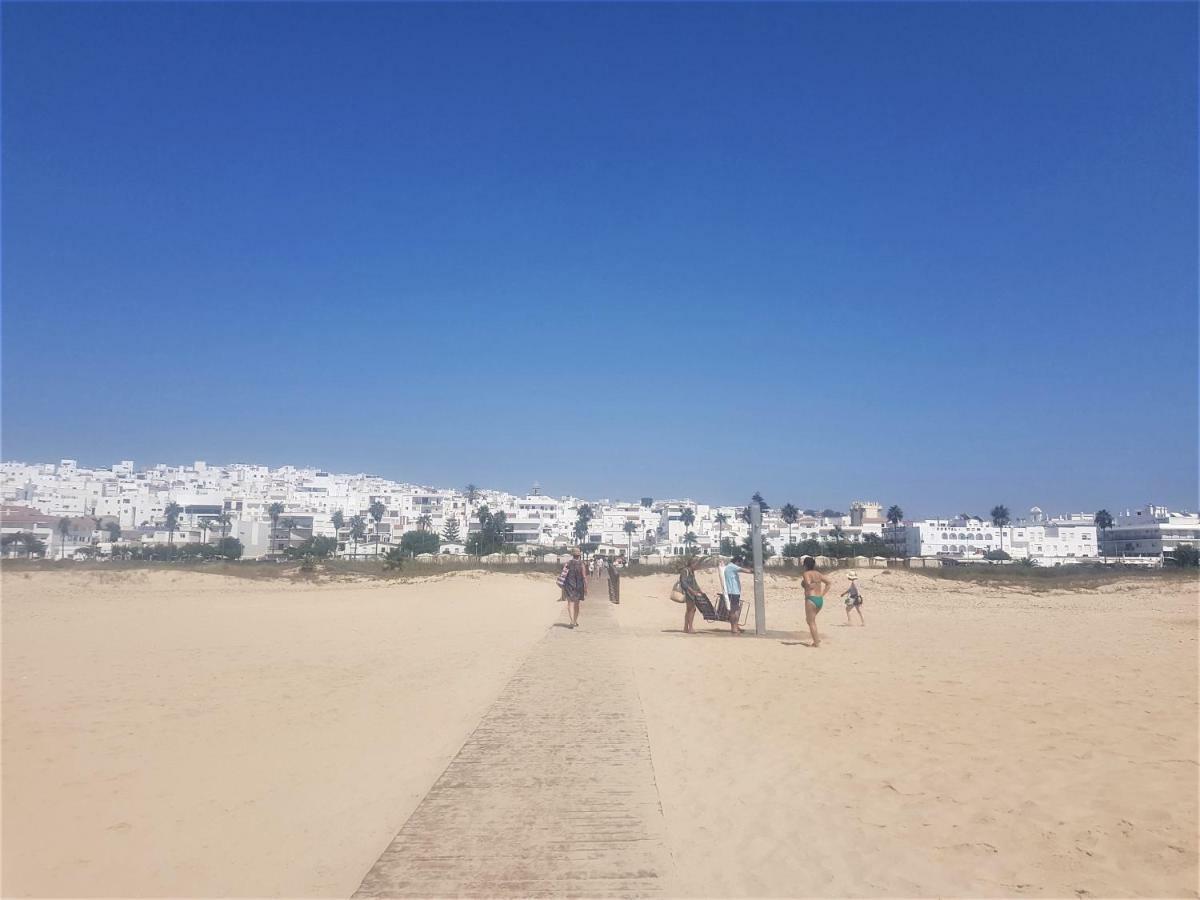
<point>781,636</point>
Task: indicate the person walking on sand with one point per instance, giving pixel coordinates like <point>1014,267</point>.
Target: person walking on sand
<point>691,590</point>
<point>614,582</point>
<point>815,585</point>
<point>853,599</point>
<point>731,580</point>
<point>575,586</point>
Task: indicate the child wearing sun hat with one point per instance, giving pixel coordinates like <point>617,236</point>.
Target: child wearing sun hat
<point>853,599</point>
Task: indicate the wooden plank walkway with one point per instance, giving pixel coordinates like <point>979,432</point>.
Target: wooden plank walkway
<point>553,795</point>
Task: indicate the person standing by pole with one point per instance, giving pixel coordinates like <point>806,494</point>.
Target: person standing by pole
<point>614,582</point>
<point>731,584</point>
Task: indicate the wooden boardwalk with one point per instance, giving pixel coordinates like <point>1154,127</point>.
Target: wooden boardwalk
<point>553,795</point>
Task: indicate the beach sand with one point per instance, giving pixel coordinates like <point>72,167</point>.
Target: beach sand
<point>182,734</point>
<point>178,734</point>
<point>966,742</point>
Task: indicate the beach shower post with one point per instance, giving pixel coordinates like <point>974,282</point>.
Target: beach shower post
<point>760,600</point>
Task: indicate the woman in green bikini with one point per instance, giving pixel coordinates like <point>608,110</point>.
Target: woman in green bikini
<point>815,586</point>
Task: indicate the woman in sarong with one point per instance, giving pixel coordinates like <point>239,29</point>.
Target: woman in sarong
<point>691,590</point>
<point>575,587</point>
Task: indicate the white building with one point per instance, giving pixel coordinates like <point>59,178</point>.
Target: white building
<point>1150,531</point>
<point>961,537</point>
<point>1059,541</point>
<point>1063,541</point>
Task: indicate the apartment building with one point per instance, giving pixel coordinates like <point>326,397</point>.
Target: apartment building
<point>1151,531</point>
<point>961,537</point>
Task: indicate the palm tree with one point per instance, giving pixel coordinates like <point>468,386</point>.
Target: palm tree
<point>762,504</point>
<point>895,515</point>
<point>687,517</point>
<point>32,544</point>
<point>339,521</point>
<point>630,528</point>
<point>275,510</point>
<point>583,520</point>
<point>1104,521</point>
<point>358,530</point>
<point>377,509</point>
<point>224,520</point>
<point>499,524</point>
<point>289,525</point>
<point>204,525</point>
<point>484,516</point>
<point>424,521</point>
<point>689,540</point>
<point>172,513</point>
<point>838,536</point>
<point>791,516</point>
<point>471,492</point>
<point>722,520</point>
<point>64,526</point>
<point>1000,519</point>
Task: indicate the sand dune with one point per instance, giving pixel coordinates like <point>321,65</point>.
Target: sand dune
<point>191,735</point>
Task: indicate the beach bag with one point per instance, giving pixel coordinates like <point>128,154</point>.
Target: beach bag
<point>677,593</point>
<point>561,580</point>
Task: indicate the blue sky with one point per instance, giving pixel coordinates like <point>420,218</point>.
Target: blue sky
<point>936,255</point>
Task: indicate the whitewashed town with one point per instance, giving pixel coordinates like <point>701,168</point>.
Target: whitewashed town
<point>65,510</point>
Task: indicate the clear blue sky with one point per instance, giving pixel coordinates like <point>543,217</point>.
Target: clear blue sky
<point>936,255</point>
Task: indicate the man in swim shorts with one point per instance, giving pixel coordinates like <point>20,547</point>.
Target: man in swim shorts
<point>815,586</point>
<point>731,580</point>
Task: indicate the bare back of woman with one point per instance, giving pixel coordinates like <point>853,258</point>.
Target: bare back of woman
<point>815,584</point>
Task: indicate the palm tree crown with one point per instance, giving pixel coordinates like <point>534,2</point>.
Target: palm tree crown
<point>358,530</point>
<point>64,526</point>
<point>1000,518</point>
<point>790,516</point>
<point>172,512</point>
<point>1104,521</point>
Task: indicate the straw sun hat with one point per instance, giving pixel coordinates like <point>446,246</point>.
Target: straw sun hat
<point>852,575</point>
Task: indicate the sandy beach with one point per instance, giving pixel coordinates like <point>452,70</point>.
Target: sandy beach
<point>966,742</point>
<point>174,733</point>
